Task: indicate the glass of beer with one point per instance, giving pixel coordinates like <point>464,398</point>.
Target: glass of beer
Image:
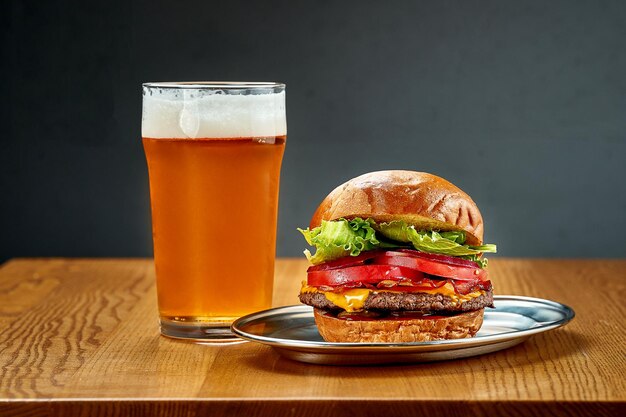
<point>214,152</point>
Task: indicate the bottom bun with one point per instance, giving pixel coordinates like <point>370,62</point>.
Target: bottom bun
<point>337,330</point>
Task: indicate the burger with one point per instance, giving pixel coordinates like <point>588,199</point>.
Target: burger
<point>398,257</point>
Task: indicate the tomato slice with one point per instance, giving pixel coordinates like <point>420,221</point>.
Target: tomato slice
<point>433,266</point>
<point>372,267</point>
<point>362,273</point>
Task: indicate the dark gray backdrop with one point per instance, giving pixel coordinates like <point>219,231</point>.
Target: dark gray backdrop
<point>520,103</point>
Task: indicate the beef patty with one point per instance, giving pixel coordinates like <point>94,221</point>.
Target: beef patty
<point>404,301</point>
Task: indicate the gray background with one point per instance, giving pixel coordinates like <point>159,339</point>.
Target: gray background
<point>520,103</point>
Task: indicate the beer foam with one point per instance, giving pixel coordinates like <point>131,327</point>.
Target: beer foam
<point>191,113</point>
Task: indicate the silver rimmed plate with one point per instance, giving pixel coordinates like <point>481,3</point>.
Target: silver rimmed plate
<point>292,332</point>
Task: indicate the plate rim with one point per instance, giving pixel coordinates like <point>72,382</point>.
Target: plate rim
<point>567,311</point>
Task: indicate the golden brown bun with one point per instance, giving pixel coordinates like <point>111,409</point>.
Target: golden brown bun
<point>424,200</point>
<point>337,330</point>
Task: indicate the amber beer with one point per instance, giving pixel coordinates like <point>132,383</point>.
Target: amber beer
<point>214,199</point>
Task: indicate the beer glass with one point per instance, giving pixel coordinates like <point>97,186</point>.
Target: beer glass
<point>214,152</point>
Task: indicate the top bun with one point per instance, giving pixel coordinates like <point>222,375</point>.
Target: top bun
<point>423,200</point>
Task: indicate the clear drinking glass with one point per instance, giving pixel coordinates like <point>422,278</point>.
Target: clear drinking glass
<point>214,152</point>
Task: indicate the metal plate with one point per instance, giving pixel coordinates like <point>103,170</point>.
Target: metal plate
<point>292,332</point>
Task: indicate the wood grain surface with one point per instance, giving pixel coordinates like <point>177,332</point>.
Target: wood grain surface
<point>80,337</point>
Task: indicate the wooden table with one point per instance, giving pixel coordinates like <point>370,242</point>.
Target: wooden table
<point>80,337</point>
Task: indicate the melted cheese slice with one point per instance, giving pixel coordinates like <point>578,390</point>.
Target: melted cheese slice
<point>354,299</point>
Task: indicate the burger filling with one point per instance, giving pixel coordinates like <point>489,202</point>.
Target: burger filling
<point>340,238</point>
<point>390,301</point>
<point>391,269</point>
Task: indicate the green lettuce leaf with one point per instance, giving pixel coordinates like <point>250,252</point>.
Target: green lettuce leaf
<point>339,238</point>
<point>445,243</point>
